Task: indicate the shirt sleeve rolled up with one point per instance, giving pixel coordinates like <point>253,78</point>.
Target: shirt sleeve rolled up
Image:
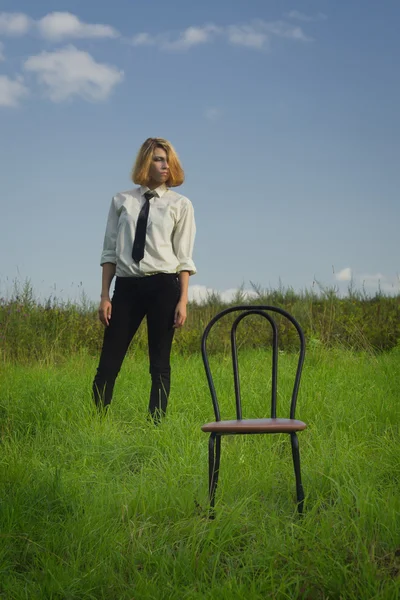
<point>109,253</point>
<point>183,238</point>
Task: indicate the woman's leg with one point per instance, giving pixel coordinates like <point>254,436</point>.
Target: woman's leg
<point>127,314</point>
<point>162,298</point>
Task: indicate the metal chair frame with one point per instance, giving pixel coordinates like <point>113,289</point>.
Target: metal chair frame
<point>245,427</point>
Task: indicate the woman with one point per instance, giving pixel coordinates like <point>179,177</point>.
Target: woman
<point>148,245</point>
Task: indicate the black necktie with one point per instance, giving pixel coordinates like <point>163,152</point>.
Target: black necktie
<point>141,226</point>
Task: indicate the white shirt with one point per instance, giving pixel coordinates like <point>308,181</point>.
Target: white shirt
<point>170,233</point>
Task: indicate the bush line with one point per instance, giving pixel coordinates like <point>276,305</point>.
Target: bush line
<point>31,330</point>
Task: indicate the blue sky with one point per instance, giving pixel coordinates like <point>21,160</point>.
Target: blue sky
<point>285,116</point>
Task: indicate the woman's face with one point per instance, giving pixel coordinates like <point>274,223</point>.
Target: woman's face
<point>159,169</point>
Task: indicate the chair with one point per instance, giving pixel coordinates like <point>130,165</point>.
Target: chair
<point>241,426</point>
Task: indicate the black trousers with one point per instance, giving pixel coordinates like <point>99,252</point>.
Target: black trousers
<point>153,296</point>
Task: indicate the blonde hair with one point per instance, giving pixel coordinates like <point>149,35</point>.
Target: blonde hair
<point>140,170</point>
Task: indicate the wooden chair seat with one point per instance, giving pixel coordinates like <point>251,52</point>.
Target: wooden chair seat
<point>255,426</point>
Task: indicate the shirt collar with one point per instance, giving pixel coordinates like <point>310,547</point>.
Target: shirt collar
<point>159,192</point>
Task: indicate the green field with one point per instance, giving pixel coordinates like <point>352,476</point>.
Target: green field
<point>116,508</point>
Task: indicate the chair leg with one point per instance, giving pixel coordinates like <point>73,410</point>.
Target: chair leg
<point>214,456</point>
<point>296,463</point>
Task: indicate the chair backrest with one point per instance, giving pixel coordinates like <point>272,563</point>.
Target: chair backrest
<point>246,311</point>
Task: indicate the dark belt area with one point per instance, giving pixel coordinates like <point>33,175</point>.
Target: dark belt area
<point>133,281</point>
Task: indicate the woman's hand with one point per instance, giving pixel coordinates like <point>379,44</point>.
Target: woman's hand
<point>105,309</point>
<point>180,314</point>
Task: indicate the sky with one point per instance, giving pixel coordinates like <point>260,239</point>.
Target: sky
<point>285,115</point>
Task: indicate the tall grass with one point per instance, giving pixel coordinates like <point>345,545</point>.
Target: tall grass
<point>49,330</point>
<point>115,508</point>
<point>112,507</point>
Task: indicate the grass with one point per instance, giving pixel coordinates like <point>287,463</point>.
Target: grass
<point>115,508</point>
<point>33,330</point>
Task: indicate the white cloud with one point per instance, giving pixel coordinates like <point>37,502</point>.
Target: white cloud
<point>256,35</point>
<point>14,23</point>
<point>193,36</point>
<point>200,293</point>
<point>379,280</point>
<point>11,91</point>
<point>59,25</point>
<point>212,113</point>
<point>2,57</point>
<point>370,281</point>
<point>232,293</point>
<point>285,30</point>
<point>69,72</point>
<point>344,275</point>
<point>247,35</point>
<point>142,39</point>
<point>54,26</point>
<point>299,16</point>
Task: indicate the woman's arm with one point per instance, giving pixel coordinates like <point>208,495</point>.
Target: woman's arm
<point>108,262</point>
<point>105,302</point>
<point>180,311</point>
